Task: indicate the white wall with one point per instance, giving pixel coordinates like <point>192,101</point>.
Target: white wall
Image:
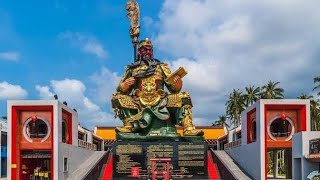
<point>296,168</point>
<point>75,123</point>
<point>89,136</point>
<point>230,135</point>
<point>87,133</point>
<point>248,158</point>
<point>260,129</point>
<point>297,145</point>
<point>76,156</point>
<point>57,139</point>
<point>300,149</point>
<point>307,167</point>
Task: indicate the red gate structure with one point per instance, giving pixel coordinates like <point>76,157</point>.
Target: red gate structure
<point>160,168</point>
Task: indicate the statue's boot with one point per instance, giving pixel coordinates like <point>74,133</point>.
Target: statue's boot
<point>188,127</point>
<point>127,127</point>
<point>192,132</point>
<point>124,129</point>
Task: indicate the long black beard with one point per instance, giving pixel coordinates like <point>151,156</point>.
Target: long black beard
<point>151,63</point>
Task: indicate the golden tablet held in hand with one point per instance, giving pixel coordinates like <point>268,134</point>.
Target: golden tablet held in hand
<point>142,103</point>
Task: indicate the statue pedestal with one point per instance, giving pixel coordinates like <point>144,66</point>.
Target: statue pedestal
<point>164,159</point>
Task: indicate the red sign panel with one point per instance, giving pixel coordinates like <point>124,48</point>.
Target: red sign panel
<point>135,172</point>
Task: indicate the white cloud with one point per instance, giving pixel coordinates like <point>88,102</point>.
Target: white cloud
<point>196,121</point>
<point>10,91</point>
<point>69,89</point>
<point>228,45</point>
<point>73,92</point>
<point>9,56</point>
<point>44,92</point>
<point>204,84</point>
<point>147,21</point>
<point>95,48</point>
<point>202,75</point>
<point>90,105</point>
<point>105,83</point>
<point>86,42</point>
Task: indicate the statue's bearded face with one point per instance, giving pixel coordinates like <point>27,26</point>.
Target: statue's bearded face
<point>145,53</point>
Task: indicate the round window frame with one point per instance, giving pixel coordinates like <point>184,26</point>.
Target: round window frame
<point>292,128</point>
<point>24,129</point>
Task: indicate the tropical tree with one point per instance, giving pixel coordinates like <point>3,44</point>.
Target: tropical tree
<point>251,95</point>
<point>314,111</point>
<point>305,96</point>
<point>271,91</point>
<point>222,120</point>
<point>235,105</point>
<point>317,86</point>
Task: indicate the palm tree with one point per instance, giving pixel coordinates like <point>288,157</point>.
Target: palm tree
<point>235,105</point>
<point>314,111</point>
<point>317,80</point>
<point>270,91</point>
<point>305,96</point>
<point>252,95</point>
<point>222,120</point>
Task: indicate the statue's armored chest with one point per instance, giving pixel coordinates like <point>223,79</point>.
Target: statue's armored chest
<point>148,83</point>
<point>143,68</point>
<point>148,89</point>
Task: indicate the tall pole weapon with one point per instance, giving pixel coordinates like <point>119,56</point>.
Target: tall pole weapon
<point>132,7</point>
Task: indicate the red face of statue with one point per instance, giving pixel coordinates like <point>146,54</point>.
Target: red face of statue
<point>145,52</point>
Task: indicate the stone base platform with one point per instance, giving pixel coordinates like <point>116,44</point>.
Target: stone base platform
<point>160,159</point>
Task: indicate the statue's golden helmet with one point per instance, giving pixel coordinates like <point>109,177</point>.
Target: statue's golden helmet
<point>145,49</point>
<point>145,44</point>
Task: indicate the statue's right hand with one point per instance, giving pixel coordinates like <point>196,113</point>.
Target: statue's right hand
<point>125,85</point>
<point>130,81</point>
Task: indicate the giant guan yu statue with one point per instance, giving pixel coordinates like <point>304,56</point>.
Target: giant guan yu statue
<point>141,102</point>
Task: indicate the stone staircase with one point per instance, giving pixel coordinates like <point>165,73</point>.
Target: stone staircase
<point>213,172</point>
<point>228,169</point>
<point>87,166</point>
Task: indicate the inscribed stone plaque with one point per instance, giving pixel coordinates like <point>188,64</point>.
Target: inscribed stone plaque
<point>187,160</point>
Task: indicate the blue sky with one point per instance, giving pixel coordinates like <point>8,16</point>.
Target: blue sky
<point>35,34</point>
<point>78,49</point>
